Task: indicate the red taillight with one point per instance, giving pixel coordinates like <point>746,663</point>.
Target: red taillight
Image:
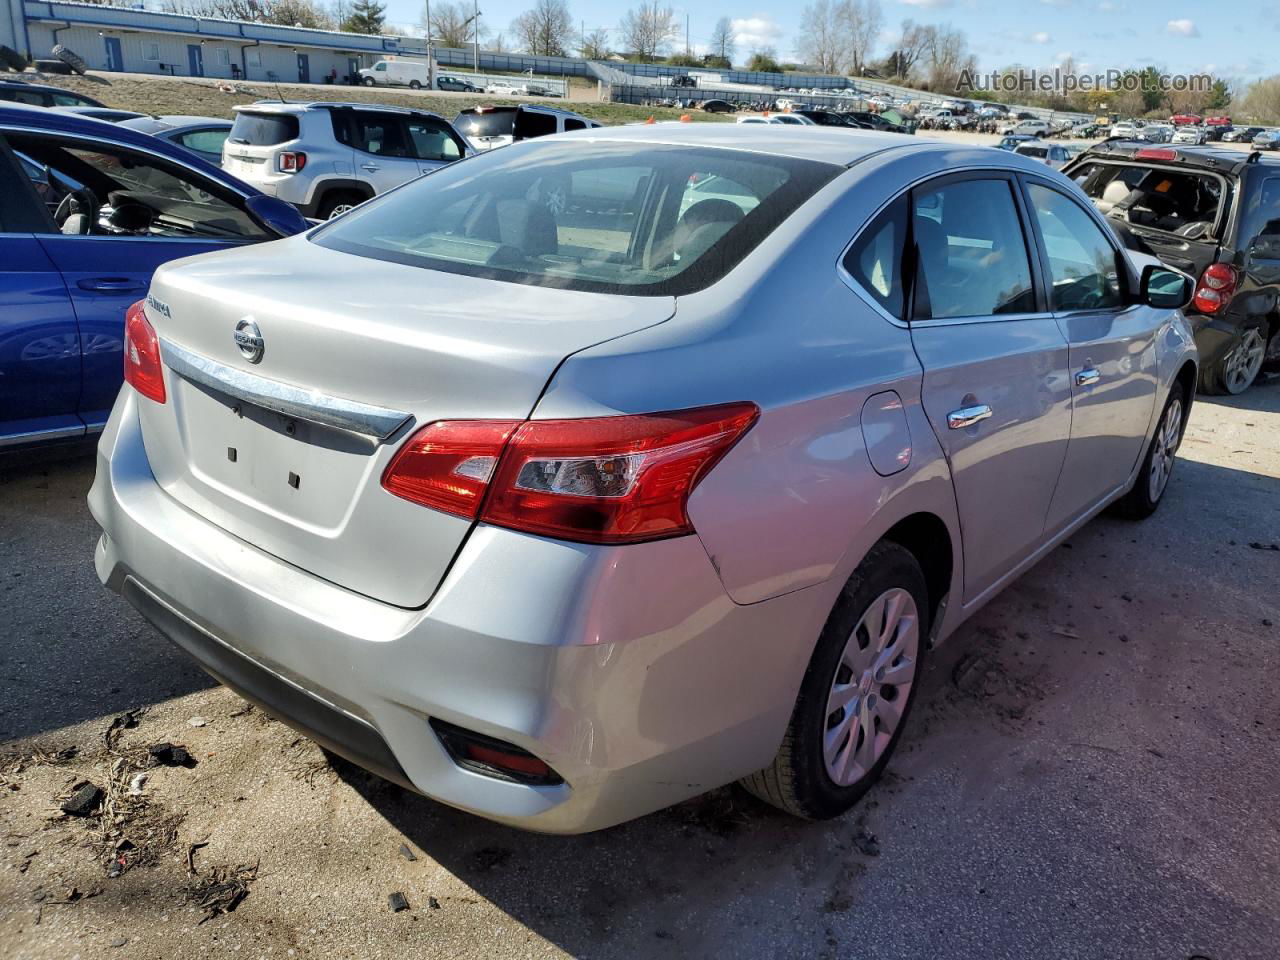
<point>292,162</point>
<point>1155,153</point>
<point>599,480</point>
<point>142,369</point>
<point>1216,287</point>
<point>447,464</point>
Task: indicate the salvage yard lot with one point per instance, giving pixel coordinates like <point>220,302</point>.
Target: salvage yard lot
<point>1092,773</point>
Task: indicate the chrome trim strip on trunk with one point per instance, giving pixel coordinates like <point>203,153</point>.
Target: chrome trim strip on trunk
<point>300,403</point>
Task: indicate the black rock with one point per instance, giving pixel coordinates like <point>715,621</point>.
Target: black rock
<point>397,902</point>
<point>86,799</point>
<point>172,755</point>
<point>407,853</point>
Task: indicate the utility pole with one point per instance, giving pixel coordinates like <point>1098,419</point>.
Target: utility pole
<point>431,60</point>
<point>477,19</point>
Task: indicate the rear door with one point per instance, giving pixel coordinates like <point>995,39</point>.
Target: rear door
<point>149,211</point>
<point>383,150</point>
<point>39,339</point>
<point>996,383</point>
<point>1112,350</point>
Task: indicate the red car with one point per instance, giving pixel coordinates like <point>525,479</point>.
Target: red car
<point>1182,119</point>
<point>1217,121</point>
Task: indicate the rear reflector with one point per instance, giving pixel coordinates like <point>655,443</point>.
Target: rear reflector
<point>613,480</point>
<point>1154,153</point>
<point>142,368</point>
<point>492,757</point>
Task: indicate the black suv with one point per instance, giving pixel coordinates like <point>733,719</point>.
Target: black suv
<point>39,95</point>
<point>1214,213</point>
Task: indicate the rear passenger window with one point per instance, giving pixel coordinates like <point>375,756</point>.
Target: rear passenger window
<point>381,134</point>
<point>431,141</point>
<point>875,259</point>
<point>972,257</point>
<point>1083,268</point>
<point>572,124</point>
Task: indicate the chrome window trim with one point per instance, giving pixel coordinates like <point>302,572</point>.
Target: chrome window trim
<point>848,280</point>
<point>365,419</point>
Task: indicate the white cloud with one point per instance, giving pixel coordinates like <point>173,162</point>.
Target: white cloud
<point>1181,28</point>
<point>755,33</point>
<point>1063,57</point>
<point>1107,6</point>
<point>1040,37</point>
<point>927,4</point>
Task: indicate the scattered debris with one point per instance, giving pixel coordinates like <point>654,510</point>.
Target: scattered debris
<point>1064,632</point>
<point>172,755</point>
<point>197,722</point>
<point>222,890</point>
<point>1256,545</point>
<point>970,674</point>
<point>397,902</point>
<point>84,800</point>
<point>866,842</point>
<point>191,855</point>
<point>136,783</point>
<point>433,903</point>
<point>119,942</point>
<point>407,853</point>
<point>125,721</point>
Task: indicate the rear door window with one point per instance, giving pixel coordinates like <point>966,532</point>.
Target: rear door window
<point>382,134</point>
<point>263,129</point>
<point>972,255</point>
<point>532,123</point>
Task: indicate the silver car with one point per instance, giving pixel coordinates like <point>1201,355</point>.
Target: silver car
<point>587,475</point>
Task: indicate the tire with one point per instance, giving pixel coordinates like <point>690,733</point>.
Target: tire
<point>820,739</point>
<point>70,58</point>
<point>1236,370</point>
<point>368,82</point>
<point>53,66</point>
<point>337,203</point>
<point>414,85</point>
<point>10,59</point>
<point>1153,477</point>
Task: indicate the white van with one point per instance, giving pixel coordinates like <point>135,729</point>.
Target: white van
<point>397,73</point>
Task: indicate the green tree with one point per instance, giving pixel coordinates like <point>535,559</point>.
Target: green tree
<point>764,61</point>
<point>367,16</point>
<point>1219,95</point>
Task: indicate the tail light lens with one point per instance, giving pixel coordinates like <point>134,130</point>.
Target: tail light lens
<point>142,369</point>
<point>292,162</point>
<point>610,480</point>
<point>1216,287</point>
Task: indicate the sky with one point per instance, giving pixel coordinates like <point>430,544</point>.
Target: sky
<point>1181,36</point>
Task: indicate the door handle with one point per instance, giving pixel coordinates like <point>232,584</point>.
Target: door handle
<point>1087,376</point>
<point>110,285</point>
<point>370,167</point>
<point>967,416</point>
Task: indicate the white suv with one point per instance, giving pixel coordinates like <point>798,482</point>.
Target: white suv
<point>325,158</point>
<point>1035,128</point>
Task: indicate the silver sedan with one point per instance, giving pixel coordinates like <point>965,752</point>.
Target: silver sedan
<point>587,475</point>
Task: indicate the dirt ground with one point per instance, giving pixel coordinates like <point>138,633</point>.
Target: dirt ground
<point>1092,773</point>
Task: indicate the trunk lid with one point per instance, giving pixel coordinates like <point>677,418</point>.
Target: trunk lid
<point>287,453</point>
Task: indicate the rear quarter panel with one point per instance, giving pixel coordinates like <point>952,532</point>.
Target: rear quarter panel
<point>796,503</point>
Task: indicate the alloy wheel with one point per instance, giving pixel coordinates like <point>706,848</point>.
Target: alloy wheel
<point>871,686</point>
<point>340,209</point>
<point>1164,446</point>
<point>1244,362</point>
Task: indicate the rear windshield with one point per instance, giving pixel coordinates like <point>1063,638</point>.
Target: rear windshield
<point>491,123</point>
<point>639,219</point>
<point>263,129</point>
<point>1176,201</point>
<point>1041,152</point>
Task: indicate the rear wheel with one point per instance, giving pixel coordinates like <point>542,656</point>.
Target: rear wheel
<point>857,692</point>
<point>368,81</point>
<point>1235,372</point>
<point>1141,502</point>
<point>337,203</point>
<point>415,85</point>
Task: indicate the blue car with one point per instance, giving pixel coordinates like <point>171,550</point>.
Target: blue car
<point>88,211</point>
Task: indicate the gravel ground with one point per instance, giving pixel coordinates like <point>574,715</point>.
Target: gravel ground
<point>1091,774</point>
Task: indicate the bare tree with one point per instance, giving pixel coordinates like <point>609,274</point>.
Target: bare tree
<point>946,56</point>
<point>595,44</point>
<point>545,30</point>
<point>861,20</point>
<point>285,13</point>
<point>451,24</point>
<point>498,44</point>
<point>824,42</point>
<point>648,30</point>
<point>722,39</point>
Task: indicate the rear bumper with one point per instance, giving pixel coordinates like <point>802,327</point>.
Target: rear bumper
<point>628,670</point>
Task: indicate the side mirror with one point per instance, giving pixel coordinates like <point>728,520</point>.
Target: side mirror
<point>276,215</point>
<point>1164,288</point>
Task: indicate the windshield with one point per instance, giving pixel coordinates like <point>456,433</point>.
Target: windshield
<point>490,123</point>
<point>263,129</point>
<point>1175,201</point>
<point>647,219</point>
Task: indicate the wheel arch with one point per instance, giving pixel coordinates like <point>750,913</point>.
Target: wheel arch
<point>926,537</point>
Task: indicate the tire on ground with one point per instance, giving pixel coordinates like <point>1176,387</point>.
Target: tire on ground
<point>1138,503</point>
<point>797,781</point>
<point>70,58</point>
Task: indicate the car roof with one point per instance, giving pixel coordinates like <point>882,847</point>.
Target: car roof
<point>840,145</point>
<point>295,107</point>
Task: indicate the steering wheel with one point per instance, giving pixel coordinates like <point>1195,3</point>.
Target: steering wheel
<point>79,203</point>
